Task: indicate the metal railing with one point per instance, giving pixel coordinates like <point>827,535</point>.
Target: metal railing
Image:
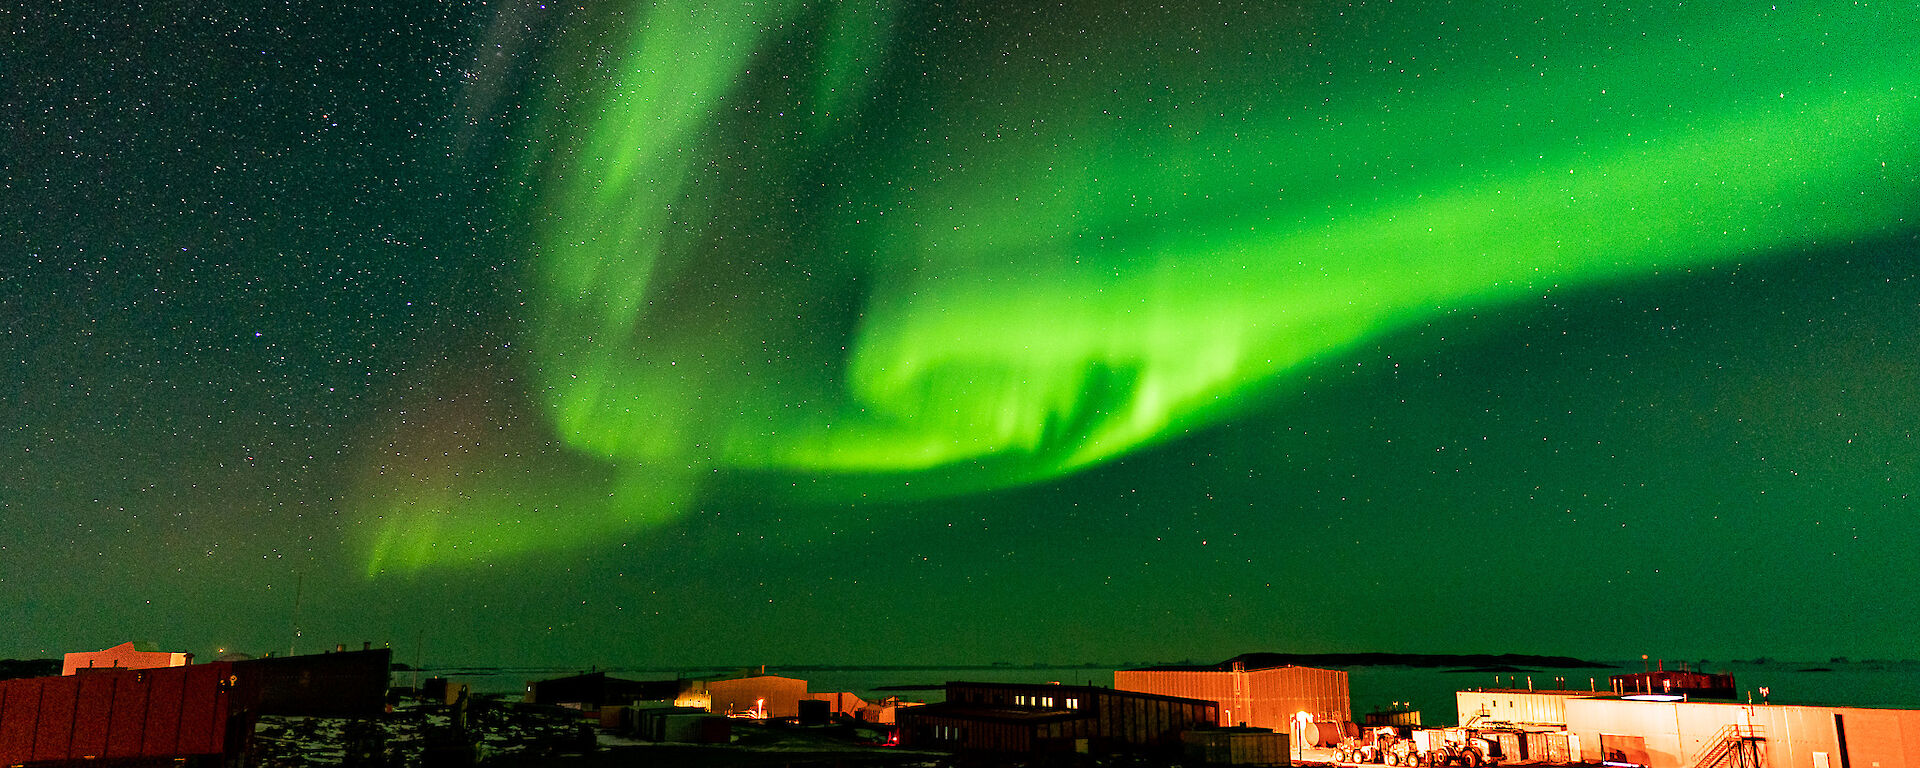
<point>1734,746</point>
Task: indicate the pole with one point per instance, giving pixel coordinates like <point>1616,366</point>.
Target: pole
<point>299,585</point>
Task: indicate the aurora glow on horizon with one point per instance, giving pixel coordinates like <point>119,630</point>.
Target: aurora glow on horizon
<point>764,328</point>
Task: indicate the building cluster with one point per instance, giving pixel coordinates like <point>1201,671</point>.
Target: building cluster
<point>1273,715</point>
<point>124,705</point>
<point>700,710</point>
<point>1682,719</point>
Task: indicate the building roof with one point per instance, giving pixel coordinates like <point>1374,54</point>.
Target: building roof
<point>1030,686</point>
<point>746,678</point>
<point>985,713</point>
<point>1256,661</point>
<point>1082,690</point>
<point>1227,666</point>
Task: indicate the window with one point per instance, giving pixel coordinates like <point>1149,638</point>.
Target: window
<point>1073,703</point>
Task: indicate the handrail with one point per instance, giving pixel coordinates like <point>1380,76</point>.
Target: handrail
<point>1726,741</point>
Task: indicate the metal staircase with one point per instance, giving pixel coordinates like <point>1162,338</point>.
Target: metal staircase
<point>1735,746</point>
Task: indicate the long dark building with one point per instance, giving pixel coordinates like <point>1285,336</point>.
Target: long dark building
<point>1030,717</point>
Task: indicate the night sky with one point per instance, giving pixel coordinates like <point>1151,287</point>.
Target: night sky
<point>687,331</point>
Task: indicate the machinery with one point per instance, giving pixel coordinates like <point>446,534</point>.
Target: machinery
<point>1422,747</point>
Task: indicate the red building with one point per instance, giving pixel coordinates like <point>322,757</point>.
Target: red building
<point>202,713</point>
<point>1032,717</point>
<point>166,713</point>
<point>1695,684</point>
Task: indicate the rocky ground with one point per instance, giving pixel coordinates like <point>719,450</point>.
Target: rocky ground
<point>418,733</point>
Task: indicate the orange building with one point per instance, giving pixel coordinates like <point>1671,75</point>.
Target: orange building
<point>123,656</point>
<point>1268,697</point>
<point>766,696</point>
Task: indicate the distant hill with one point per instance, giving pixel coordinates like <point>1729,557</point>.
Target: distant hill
<point>15,668</point>
<point>1504,661</point>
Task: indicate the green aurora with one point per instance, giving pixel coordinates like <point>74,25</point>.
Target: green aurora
<point>918,252</point>
<point>616,334</point>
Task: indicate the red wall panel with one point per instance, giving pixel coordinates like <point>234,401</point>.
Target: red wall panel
<point>58,696</point>
<point>92,716</point>
<point>127,723</point>
<point>162,714</point>
<point>19,719</point>
<point>203,715</point>
<point>164,689</point>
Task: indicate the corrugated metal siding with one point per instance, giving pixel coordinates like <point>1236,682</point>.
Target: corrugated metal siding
<point>1264,698</point>
<point>1675,734</point>
<point>782,694</point>
<point>19,717</point>
<point>156,713</point>
<point>126,725</point>
<point>92,715</point>
<point>1514,706</point>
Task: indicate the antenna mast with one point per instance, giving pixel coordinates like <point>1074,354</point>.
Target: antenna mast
<point>299,585</point>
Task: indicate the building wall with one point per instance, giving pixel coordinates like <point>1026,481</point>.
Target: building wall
<point>1019,717</point>
<point>123,656</point>
<point>1123,717</point>
<point>1546,708</point>
<point>1237,747</point>
<point>928,727</point>
<point>1261,698</point>
<point>841,703</point>
<point>782,695</point>
<point>344,684</point>
<point>163,713</point>
<point>1678,734</point>
<point>1000,717</point>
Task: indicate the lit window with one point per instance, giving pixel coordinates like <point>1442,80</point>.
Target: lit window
<point>1073,703</point>
<point>1046,701</point>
